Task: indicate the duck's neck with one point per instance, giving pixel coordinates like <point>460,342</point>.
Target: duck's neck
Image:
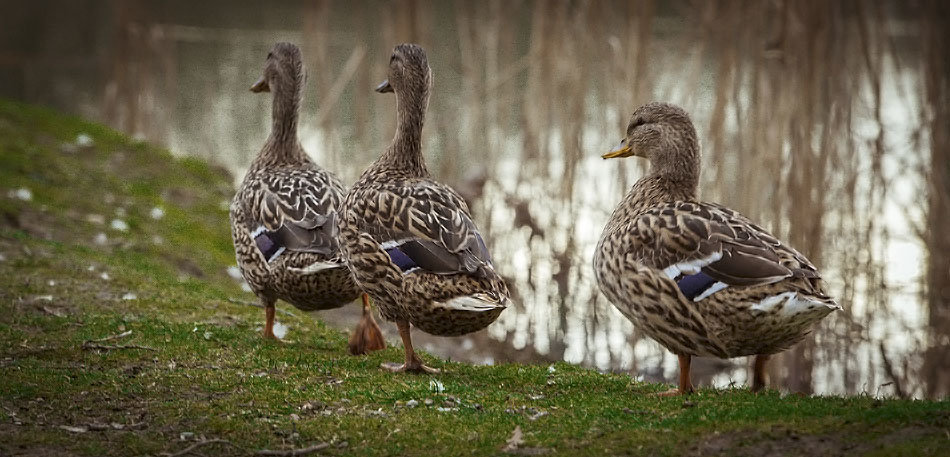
<point>673,176</point>
<point>282,146</point>
<point>659,188</point>
<point>405,152</point>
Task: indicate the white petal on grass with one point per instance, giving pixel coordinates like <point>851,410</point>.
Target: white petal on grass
<point>130,296</point>
<point>280,330</point>
<point>157,213</point>
<point>119,224</point>
<point>24,194</point>
<point>105,276</point>
<point>44,298</point>
<point>84,141</point>
<point>235,273</point>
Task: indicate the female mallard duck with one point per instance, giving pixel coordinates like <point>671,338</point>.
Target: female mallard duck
<point>697,277</point>
<point>284,216</point>
<point>409,240</point>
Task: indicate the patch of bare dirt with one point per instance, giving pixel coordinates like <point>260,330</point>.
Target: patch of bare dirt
<point>782,441</point>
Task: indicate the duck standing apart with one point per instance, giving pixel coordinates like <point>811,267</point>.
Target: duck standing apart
<point>284,216</point>
<point>697,277</point>
<point>409,240</point>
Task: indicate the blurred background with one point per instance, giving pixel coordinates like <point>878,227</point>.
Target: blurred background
<point>826,121</point>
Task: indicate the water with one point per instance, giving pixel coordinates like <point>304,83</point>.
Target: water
<point>526,98</point>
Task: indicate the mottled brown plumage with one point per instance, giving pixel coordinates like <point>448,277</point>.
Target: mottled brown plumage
<point>411,241</point>
<point>284,216</point>
<point>699,278</point>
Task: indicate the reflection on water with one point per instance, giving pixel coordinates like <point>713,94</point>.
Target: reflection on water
<point>808,125</point>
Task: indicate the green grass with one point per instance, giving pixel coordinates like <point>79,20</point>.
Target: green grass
<point>208,374</point>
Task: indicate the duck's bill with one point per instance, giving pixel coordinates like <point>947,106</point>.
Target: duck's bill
<point>621,150</point>
<point>260,86</point>
<point>384,87</point>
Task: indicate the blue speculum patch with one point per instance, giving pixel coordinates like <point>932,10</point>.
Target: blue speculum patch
<point>400,259</point>
<point>267,245</point>
<point>694,285</point>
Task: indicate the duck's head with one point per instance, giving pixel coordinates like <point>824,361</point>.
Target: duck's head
<point>660,132</point>
<point>283,69</point>
<point>409,71</point>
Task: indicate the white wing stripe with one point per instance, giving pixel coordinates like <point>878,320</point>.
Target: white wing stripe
<point>690,267</point>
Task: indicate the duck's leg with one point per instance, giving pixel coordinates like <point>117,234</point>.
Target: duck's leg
<point>366,336</point>
<point>758,372</point>
<point>686,386</point>
<point>413,362</point>
<point>269,310</point>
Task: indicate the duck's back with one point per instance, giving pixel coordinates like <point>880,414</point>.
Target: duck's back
<point>284,220</point>
<point>414,246</point>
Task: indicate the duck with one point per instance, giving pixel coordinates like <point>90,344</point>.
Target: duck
<point>284,215</point>
<point>409,240</point>
<point>699,278</point>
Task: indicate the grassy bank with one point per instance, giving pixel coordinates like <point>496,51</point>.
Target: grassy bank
<point>122,333</point>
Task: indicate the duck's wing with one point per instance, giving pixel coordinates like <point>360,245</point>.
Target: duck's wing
<point>707,247</point>
<point>426,225</point>
<point>295,210</point>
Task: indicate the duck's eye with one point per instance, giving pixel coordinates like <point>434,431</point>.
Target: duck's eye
<point>391,59</point>
<point>634,125</point>
<point>270,55</point>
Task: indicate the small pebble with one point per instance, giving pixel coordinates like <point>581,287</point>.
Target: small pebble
<point>412,403</point>
<point>129,296</point>
<point>105,276</point>
<point>428,402</point>
<point>101,239</point>
<point>185,436</point>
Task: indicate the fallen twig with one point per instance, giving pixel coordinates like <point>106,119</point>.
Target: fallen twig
<point>293,452</point>
<point>94,344</point>
<point>111,337</point>
<point>190,449</point>
<point>106,347</point>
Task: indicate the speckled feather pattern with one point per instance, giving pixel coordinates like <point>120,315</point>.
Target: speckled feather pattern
<point>272,197</point>
<point>660,223</point>
<point>382,207</point>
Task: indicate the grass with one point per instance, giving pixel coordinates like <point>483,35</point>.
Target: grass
<point>194,366</point>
